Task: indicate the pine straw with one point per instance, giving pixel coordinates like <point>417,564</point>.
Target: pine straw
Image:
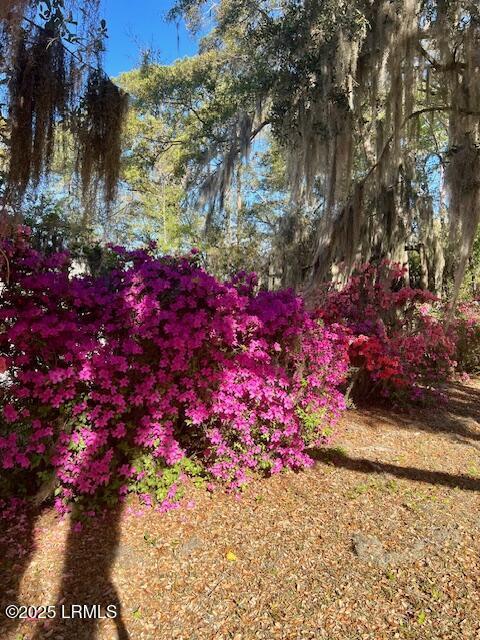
<point>413,482</point>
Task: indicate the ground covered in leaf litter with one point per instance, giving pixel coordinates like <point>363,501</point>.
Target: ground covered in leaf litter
<point>379,540</point>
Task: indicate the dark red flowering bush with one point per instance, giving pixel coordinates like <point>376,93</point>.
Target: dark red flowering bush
<point>398,342</point>
<point>153,371</point>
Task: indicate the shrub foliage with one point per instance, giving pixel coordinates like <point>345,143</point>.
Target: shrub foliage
<point>153,372</point>
<point>399,343</point>
<point>141,376</point>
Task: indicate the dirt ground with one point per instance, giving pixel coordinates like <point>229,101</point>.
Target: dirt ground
<point>379,540</point>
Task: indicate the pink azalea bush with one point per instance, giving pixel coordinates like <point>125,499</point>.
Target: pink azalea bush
<point>155,371</point>
<point>465,331</point>
<point>399,343</point>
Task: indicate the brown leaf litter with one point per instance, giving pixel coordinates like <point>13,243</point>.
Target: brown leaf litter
<point>380,540</point>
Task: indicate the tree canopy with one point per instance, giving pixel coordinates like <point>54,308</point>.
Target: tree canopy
<point>306,137</point>
<point>375,107</point>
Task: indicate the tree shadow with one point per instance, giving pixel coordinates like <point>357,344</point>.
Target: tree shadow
<point>363,465</point>
<point>464,401</point>
<point>458,417</point>
<point>86,579</point>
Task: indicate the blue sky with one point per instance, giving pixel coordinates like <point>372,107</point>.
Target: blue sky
<point>140,24</point>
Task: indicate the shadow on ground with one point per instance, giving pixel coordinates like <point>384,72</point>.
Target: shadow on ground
<point>458,417</point>
<point>86,580</point>
<point>363,465</point>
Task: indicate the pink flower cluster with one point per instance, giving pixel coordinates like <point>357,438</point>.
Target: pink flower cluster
<point>399,342</point>
<point>465,331</point>
<point>156,356</point>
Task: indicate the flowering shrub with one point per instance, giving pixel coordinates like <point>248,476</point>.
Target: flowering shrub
<point>398,344</point>
<point>465,332</point>
<point>113,381</point>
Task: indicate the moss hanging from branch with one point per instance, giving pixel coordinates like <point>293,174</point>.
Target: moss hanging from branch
<point>52,83</point>
<point>372,93</point>
<point>103,111</point>
<point>356,93</point>
<point>39,92</point>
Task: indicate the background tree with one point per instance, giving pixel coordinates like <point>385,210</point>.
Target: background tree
<point>304,137</point>
<point>376,108</point>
